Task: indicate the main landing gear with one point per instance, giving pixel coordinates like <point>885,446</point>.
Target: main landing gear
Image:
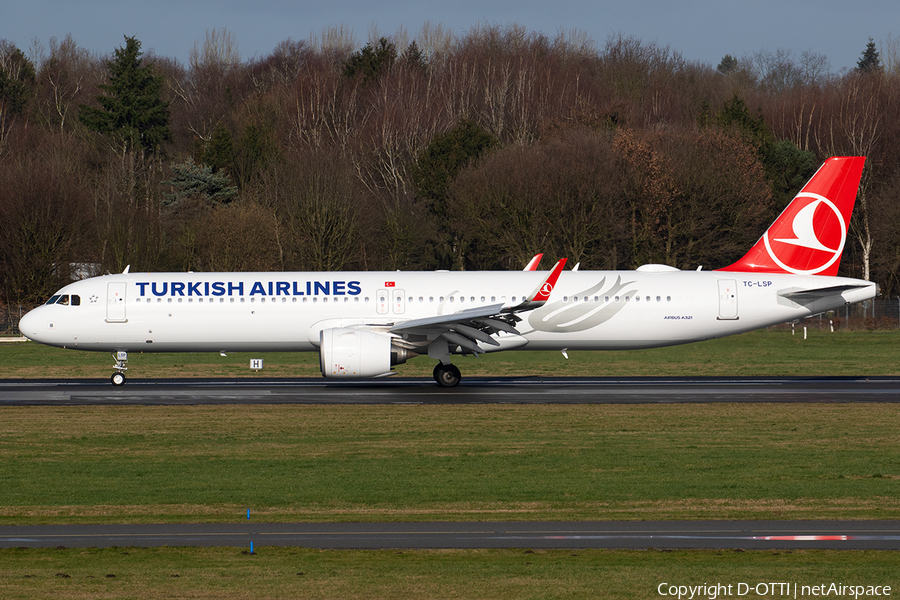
<point>446,375</point>
<point>118,378</point>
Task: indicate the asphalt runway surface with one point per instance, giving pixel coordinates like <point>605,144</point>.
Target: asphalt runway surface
<point>844,535</point>
<point>501,390</point>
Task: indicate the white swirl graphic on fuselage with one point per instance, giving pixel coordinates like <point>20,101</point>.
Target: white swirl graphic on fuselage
<point>562,317</point>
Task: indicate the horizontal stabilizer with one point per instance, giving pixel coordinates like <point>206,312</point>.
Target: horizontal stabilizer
<point>802,295</point>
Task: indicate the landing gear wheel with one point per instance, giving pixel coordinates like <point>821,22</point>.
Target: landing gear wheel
<point>117,379</point>
<point>446,375</point>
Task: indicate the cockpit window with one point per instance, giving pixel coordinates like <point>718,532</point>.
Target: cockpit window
<point>65,300</point>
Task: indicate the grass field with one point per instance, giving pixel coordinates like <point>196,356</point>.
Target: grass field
<point>438,462</point>
<point>364,463</point>
<point>515,574</point>
<point>765,352</point>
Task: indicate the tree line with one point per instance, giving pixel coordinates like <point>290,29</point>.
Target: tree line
<point>471,151</point>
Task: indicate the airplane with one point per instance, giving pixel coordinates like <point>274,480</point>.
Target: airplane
<point>363,323</point>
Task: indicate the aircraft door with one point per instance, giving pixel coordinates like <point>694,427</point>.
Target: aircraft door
<point>115,302</point>
<point>398,303</point>
<point>728,301</point>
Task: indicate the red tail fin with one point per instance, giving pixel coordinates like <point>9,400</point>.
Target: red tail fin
<point>808,237</point>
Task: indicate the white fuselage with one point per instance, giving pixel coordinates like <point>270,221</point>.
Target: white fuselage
<point>589,310</point>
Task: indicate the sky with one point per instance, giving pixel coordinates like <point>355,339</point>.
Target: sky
<point>700,30</point>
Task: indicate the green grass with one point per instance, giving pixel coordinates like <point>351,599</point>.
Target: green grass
<point>367,463</point>
<point>765,352</point>
<point>436,462</point>
<point>521,574</point>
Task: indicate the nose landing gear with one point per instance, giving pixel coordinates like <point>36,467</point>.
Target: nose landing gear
<point>118,378</point>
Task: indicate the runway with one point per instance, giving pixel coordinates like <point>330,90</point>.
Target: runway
<point>844,535</point>
<point>497,390</point>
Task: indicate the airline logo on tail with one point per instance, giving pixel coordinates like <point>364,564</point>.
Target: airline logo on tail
<point>809,236</point>
<point>811,222</point>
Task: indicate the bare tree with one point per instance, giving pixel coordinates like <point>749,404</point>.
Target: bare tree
<point>890,56</point>
<point>67,78</point>
<point>219,51</point>
<point>852,126</point>
<point>317,204</point>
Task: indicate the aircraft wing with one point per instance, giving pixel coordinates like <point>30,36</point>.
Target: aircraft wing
<point>468,327</point>
<point>533,263</point>
<point>464,315</point>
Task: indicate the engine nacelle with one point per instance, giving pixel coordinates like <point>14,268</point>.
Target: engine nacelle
<point>357,353</point>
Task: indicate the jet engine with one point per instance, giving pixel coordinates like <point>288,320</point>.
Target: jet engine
<point>350,353</point>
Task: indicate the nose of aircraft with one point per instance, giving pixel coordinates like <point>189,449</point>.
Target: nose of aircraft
<point>28,325</point>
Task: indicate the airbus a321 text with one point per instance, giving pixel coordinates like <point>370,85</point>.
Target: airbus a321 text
<point>363,323</point>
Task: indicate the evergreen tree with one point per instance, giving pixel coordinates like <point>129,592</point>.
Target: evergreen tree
<point>131,109</point>
<point>787,167</point>
<point>16,76</point>
<point>735,116</point>
<point>190,179</point>
<point>414,57</point>
<point>371,62</point>
<point>728,64</point>
<point>869,62</point>
<point>445,156</point>
<point>219,152</point>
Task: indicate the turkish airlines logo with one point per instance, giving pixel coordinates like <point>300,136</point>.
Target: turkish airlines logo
<point>546,289</point>
<point>808,237</point>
